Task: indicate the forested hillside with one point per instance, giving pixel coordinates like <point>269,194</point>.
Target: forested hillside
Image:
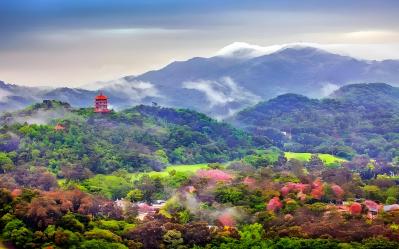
<point>135,139</point>
<point>359,118</point>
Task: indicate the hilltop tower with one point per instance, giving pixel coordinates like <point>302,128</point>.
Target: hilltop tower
<point>101,103</point>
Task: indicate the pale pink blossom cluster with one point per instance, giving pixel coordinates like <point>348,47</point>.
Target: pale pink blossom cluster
<point>215,175</point>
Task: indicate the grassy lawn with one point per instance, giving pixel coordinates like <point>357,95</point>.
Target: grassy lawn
<point>187,168</point>
<point>326,158</point>
<point>190,168</point>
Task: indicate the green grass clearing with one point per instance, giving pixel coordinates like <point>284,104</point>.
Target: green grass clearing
<point>189,168</point>
<point>305,157</point>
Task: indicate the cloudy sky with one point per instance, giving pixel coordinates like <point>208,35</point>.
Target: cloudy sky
<point>75,42</point>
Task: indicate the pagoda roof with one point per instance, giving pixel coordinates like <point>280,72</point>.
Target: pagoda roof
<point>101,97</point>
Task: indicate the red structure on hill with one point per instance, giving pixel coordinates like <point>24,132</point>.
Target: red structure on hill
<point>59,127</point>
<point>101,103</point>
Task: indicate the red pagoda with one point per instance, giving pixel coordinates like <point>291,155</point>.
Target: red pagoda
<point>101,103</point>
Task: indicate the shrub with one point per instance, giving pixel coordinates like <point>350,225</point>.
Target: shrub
<point>11,226</point>
<point>391,200</point>
<point>103,234</point>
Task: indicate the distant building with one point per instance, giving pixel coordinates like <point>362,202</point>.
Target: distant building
<point>59,127</point>
<point>101,103</point>
<point>287,134</point>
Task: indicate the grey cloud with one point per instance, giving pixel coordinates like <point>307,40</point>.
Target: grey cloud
<point>4,94</point>
<point>222,91</point>
<point>134,91</point>
<point>328,88</point>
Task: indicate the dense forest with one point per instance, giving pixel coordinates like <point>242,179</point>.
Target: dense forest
<point>141,138</point>
<point>355,119</point>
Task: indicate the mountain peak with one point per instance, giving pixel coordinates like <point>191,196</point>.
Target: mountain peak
<point>246,51</point>
<point>50,104</point>
<point>371,90</point>
<point>301,50</point>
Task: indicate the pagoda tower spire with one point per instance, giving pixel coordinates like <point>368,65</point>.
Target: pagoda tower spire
<point>101,103</point>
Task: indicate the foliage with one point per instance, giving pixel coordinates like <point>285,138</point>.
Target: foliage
<point>229,195</point>
<point>110,186</point>
<point>101,244</point>
<point>102,234</point>
<point>263,158</point>
<point>135,195</point>
<point>6,163</point>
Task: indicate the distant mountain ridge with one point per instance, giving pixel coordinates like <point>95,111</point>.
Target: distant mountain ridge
<point>225,84</point>
<point>303,70</point>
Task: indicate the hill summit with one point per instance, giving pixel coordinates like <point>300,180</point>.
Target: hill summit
<point>359,118</point>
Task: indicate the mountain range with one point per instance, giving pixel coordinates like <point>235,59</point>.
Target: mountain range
<point>224,84</point>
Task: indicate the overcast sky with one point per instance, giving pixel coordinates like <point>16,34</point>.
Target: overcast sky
<point>75,42</point>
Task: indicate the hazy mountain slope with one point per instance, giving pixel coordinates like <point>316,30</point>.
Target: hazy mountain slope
<point>362,116</point>
<point>215,85</point>
<point>13,97</point>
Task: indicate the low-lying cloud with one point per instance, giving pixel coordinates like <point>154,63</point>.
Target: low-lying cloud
<point>222,92</point>
<point>368,51</point>
<point>4,95</point>
<point>247,51</point>
<point>135,91</point>
<point>41,116</point>
<point>328,88</point>
<point>218,213</point>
